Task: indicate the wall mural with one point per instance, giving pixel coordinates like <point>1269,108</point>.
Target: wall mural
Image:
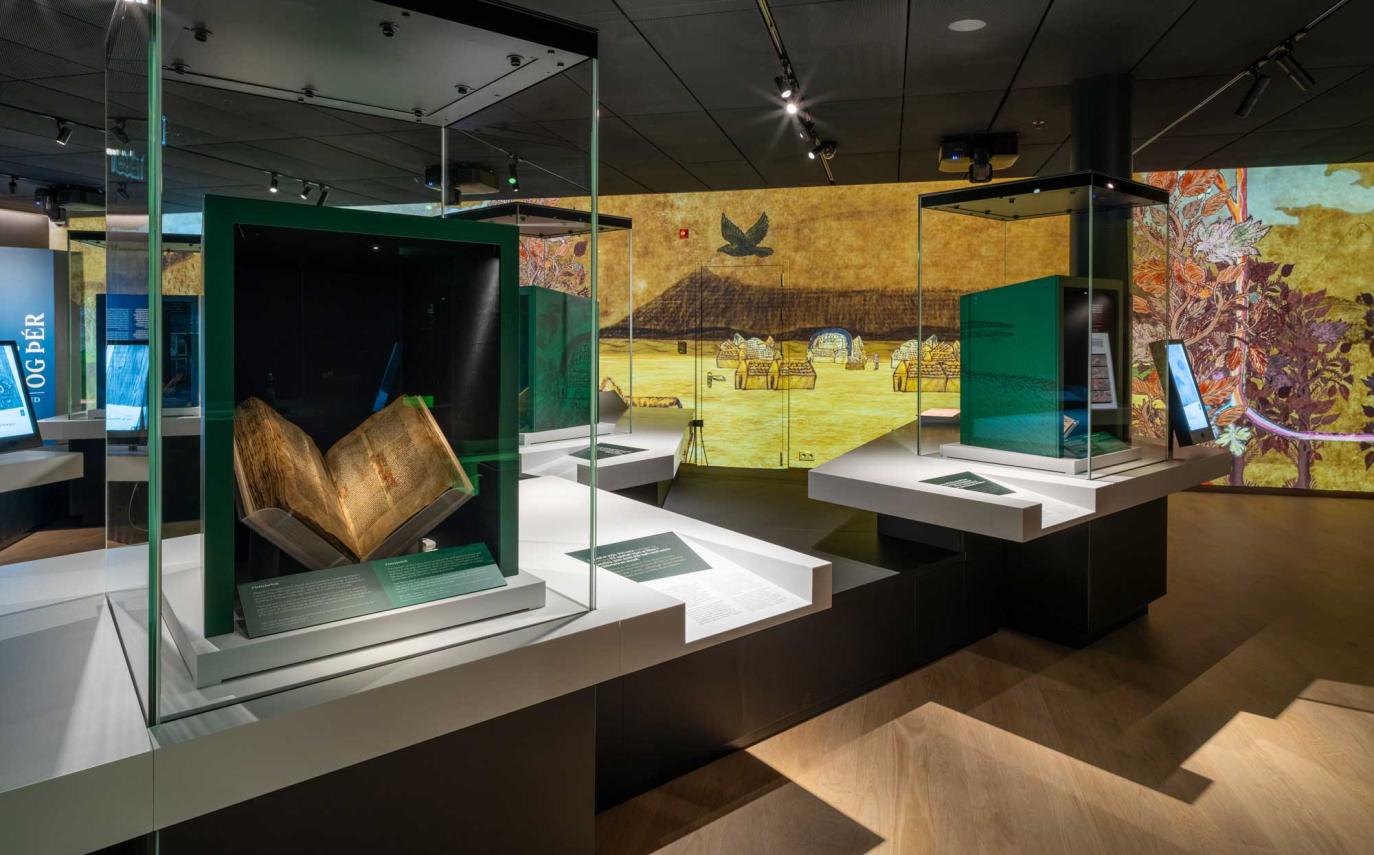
<point>796,337</point>
<point>1270,284</point>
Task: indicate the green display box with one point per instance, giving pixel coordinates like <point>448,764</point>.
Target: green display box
<point>1029,383</point>
<point>322,320</point>
<point>555,359</point>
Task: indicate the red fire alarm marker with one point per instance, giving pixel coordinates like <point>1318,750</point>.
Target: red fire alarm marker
<point>683,234</point>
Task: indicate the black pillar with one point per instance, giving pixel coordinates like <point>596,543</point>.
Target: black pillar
<point>1100,141</point>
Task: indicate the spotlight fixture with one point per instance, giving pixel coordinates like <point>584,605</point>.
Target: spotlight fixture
<point>790,92</point>
<point>513,178</point>
<point>64,133</point>
<point>1254,93</point>
<point>122,190</point>
<point>119,132</point>
<point>1300,76</point>
<point>306,187</point>
<point>324,194</point>
<point>1281,54</point>
<point>273,185</point>
<point>14,184</point>
<point>967,25</point>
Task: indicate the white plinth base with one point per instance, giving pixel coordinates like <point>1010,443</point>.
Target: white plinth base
<point>224,657</point>
<point>1062,465</point>
<point>575,432</point>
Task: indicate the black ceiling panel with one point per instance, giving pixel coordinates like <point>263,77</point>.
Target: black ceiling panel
<point>865,126</point>
<point>691,137</point>
<point>1262,148</point>
<point>644,10</point>
<point>725,59</point>
<point>1178,151</point>
<point>727,174</point>
<point>1280,99</point>
<point>1223,36</point>
<point>844,50</point>
<point>941,61</point>
<point>633,78</point>
<point>689,101</point>
<point>1039,115</point>
<point>661,174</point>
<point>1061,52</point>
<point>1333,107</point>
<point>926,119</point>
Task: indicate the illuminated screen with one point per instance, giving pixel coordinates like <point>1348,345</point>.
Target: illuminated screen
<point>126,390</point>
<point>15,416</point>
<point>1181,375</point>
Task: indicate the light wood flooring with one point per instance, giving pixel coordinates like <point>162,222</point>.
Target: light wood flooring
<point>1238,716</point>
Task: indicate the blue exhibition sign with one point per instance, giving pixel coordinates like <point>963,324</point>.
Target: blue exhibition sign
<point>27,317</point>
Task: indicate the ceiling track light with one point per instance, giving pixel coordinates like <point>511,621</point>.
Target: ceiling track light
<point>275,184</point>
<point>790,92</point>
<point>1281,55</point>
<point>14,184</point>
<point>64,133</point>
<point>1300,76</point>
<point>513,178</point>
<point>1254,93</point>
<point>119,132</point>
<point>306,187</point>
<point>324,194</point>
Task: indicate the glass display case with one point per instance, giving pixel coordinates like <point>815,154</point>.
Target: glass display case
<point>555,354</point>
<point>346,367</point>
<point>1028,351</point>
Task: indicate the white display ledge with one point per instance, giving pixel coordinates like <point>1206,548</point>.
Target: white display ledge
<point>76,766</point>
<point>558,434</point>
<point>218,658</point>
<point>661,432</point>
<point>888,477</point>
<point>34,467</point>
<point>67,428</point>
<point>88,777</point>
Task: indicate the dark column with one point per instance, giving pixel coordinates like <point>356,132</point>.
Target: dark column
<point>1101,142</point>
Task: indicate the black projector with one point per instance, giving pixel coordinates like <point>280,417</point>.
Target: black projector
<point>978,155</point>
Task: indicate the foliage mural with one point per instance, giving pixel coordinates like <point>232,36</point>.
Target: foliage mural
<point>556,264</point>
<point>1276,362</point>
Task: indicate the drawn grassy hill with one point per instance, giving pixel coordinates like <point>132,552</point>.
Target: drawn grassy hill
<point>714,306</point>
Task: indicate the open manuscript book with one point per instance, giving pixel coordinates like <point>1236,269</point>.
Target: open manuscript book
<point>376,492</point>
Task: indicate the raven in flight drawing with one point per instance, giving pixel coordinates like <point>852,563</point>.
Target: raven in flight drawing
<point>742,244</point>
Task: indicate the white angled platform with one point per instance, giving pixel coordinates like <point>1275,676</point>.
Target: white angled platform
<point>660,432</point>
<point>35,467</point>
<point>888,477</point>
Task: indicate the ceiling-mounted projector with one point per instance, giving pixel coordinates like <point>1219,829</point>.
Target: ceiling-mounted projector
<point>464,179</point>
<point>978,155</point>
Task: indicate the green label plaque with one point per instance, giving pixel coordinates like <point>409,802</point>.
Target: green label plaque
<point>644,559</point>
<point>337,593</point>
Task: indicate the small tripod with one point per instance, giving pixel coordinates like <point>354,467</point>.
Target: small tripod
<point>696,444</point>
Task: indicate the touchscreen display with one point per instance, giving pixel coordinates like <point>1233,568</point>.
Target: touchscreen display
<point>1189,398</point>
<point>126,391</point>
<point>15,419</point>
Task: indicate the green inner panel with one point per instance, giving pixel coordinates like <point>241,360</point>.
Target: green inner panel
<point>555,359</point>
<point>1011,391</point>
